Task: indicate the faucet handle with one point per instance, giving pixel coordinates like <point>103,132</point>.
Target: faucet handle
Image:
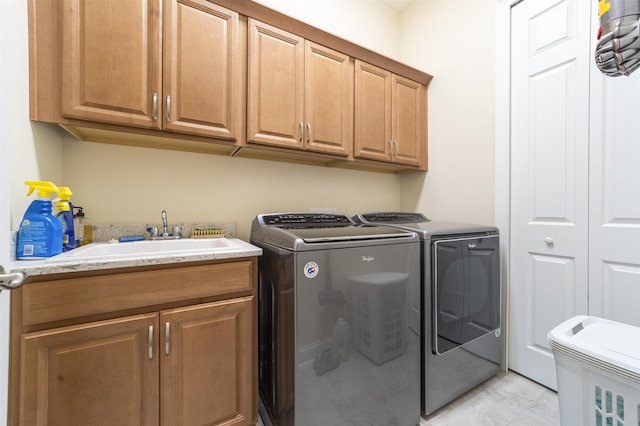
<point>153,231</point>
<point>177,232</point>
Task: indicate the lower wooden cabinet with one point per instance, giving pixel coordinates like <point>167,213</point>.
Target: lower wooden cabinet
<point>206,364</point>
<point>92,374</point>
<point>171,363</point>
<point>186,366</point>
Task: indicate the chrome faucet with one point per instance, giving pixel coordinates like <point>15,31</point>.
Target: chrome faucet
<point>155,235</point>
<point>165,226</point>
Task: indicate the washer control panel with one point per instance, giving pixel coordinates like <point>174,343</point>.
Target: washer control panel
<point>305,220</point>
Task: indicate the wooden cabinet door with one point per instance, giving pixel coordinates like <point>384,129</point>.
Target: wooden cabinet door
<point>209,365</point>
<point>202,77</point>
<point>110,67</point>
<point>101,373</point>
<point>328,100</point>
<point>275,98</point>
<point>407,120</point>
<point>372,112</point>
<point>390,121</point>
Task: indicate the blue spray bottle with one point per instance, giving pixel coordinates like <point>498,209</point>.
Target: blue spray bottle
<point>64,212</point>
<point>40,234</point>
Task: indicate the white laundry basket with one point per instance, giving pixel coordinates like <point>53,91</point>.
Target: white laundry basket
<point>598,370</point>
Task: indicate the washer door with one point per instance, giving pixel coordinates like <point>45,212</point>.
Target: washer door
<point>466,294</point>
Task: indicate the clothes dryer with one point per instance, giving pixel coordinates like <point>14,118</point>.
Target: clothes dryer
<point>461,303</point>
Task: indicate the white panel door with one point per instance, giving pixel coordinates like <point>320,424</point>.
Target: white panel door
<point>614,197</point>
<point>549,177</point>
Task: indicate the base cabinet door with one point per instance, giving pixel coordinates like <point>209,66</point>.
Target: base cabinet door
<point>99,374</point>
<point>207,364</point>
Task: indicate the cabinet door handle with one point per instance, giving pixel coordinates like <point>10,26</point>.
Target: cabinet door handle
<point>301,131</point>
<point>150,342</point>
<point>308,132</point>
<point>390,149</point>
<point>395,149</point>
<point>168,108</point>
<point>166,337</point>
<point>155,106</point>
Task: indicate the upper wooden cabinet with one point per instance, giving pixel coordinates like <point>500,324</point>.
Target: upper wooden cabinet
<point>390,117</point>
<point>300,94</point>
<point>231,77</point>
<point>116,69</point>
<point>202,73</point>
<point>110,60</point>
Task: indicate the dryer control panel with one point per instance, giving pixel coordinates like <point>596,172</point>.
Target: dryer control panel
<point>391,217</point>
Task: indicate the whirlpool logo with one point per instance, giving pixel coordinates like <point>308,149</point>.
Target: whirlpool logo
<point>368,259</point>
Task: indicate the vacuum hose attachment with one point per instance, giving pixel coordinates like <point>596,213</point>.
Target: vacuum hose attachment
<point>618,49</point>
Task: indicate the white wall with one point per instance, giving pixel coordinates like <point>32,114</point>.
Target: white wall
<point>18,146</point>
<point>454,41</point>
<point>36,151</point>
<point>133,185</point>
<point>368,23</point>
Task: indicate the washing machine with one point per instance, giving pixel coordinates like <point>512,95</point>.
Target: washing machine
<point>338,309</point>
<point>461,294</point>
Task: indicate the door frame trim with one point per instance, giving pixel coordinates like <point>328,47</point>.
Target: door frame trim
<point>503,153</point>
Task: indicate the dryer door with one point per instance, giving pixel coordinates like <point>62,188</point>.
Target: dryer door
<point>466,294</point>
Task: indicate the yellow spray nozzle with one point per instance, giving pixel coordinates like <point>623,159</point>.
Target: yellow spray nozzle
<point>44,188</point>
<point>64,193</point>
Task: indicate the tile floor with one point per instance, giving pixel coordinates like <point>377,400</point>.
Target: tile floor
<point>505,400</point>
<point>508,399</point>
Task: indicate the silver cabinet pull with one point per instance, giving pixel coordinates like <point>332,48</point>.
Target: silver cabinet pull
<point>395,149</point>
<point>155,106</point>
<point>301,131</point>
<point>150,342</point>
<point>308,132</point>
<point>166,337</point>
<point>168,108</point>
<point>390,149</point>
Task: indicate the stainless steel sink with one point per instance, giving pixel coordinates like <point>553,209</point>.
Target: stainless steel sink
<point>140,249</point>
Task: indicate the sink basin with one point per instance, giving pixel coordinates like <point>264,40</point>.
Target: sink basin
<point>138,249</point>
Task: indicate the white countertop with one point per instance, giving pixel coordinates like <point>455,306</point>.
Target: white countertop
<point>45,267</point>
